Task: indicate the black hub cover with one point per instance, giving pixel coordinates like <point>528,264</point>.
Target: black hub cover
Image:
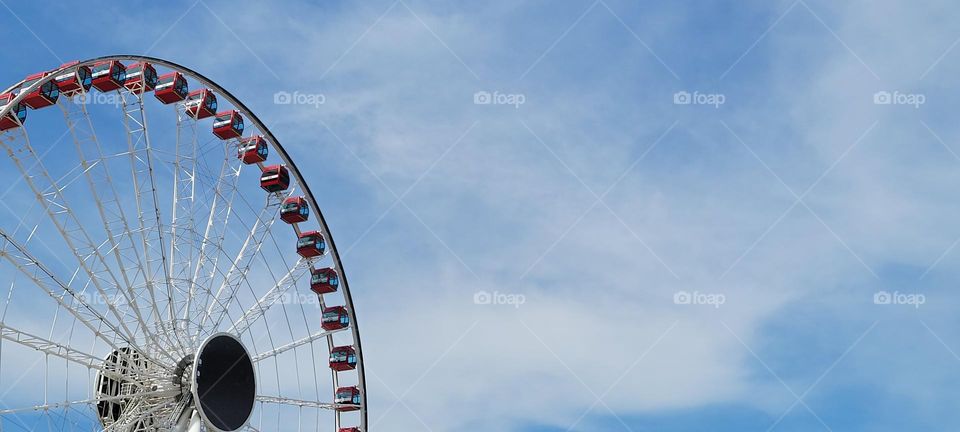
<point>224,384</point>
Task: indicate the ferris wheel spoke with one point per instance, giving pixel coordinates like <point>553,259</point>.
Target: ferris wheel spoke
<point>49,347</point>
<point>70,354</point>
<point>295,344</point>
<point>87,402</point>
<point>87,253</point>
<point>122,244</point>
<point>220,189</point>
<point>215,184</point>
<point>259,309</point>
<point>240,266</point>
<point>302,403</point>
<point>221,208</point>
<point>148,206</point>
<point>183,233</point>
<point>21,258</point>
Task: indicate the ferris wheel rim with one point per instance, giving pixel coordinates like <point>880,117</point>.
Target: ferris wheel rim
<point>268,135</point>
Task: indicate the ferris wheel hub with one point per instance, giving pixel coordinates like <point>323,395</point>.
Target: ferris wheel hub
<point>223,383</point>
<point>216,384</point>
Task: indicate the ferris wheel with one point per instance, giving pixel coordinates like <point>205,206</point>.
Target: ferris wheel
<point>177,276</point>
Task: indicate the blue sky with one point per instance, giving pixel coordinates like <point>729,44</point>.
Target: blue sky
<point>599,199</point>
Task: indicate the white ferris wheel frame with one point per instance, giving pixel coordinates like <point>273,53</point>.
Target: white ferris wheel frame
<point>63,351</point>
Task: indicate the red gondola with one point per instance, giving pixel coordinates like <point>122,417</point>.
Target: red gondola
<point>252,149</point>
<point>17,114</point>
<point>350,429</point>
<point>44,95</point>
<point>74,80</point>
<point>324,281</point>
<point>275,178</point>
<point>141,77</point>
<point>108,75</point>
<point>201,104</point>
<point>294,210</point>
<point>347,399</point>
<point>343,358</point>
<point>228,124</point>
<point>335,318</point>
<point>171,87</point>
<point>311,244</point>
